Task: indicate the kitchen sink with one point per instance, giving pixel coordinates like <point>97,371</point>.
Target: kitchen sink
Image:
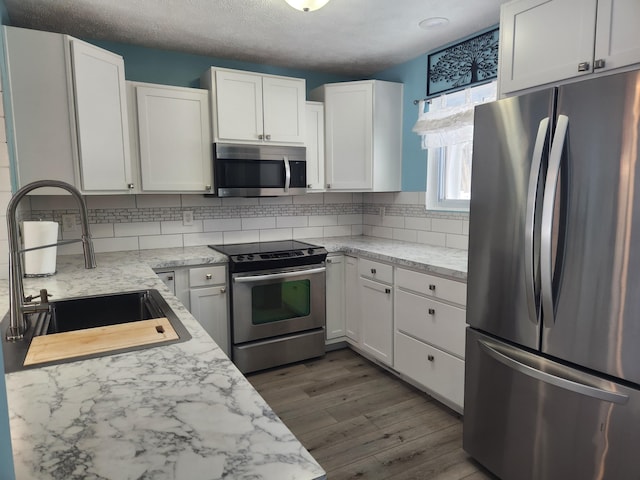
<point>74,314</point>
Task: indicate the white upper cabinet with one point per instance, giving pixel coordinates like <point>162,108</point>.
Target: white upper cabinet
<point>363,135</point>
<point>173,138</point>
<point>68,109</point>
<point>550,41</point>
<point>101,111</point>
<point>254,108</point>
<point>315,146</point>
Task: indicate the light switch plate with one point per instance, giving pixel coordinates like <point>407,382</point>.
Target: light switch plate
<point>69,222</point>
<point>187,218</point>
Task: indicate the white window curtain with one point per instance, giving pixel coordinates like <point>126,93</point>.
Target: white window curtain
<point>446,126</point>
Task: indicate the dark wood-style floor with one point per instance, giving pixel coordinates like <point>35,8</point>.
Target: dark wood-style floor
<point>359,421</point>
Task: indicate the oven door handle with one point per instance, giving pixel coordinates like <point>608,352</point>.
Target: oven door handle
<point>275,276</point>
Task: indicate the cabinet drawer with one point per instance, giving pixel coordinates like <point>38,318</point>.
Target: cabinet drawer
<point>380,272</point>
<point>440,373</point>
<point>209,275</point>
<point>433,322</point>
<point>432,286</point>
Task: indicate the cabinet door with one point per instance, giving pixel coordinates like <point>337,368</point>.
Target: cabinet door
<point>102,128</point>
<point>175,140</point>
<point>315,145</point>
<point>617,33</point>
<point>284,109</point>
<point>353,317</point>
<point>376,302</point>
<point>335,297</point>
<point>349,135</point>
<point>238,106</point>
<point>543,41</point>
<point>209,307</point>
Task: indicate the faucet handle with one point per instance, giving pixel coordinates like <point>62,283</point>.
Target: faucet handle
<point>44,296</point>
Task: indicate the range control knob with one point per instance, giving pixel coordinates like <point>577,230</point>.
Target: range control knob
<point>240,258</point>
<point>310,251</point>
<point>250,256</point>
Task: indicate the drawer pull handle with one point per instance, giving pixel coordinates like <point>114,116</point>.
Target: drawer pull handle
<point>431,358</point>
<point>432,287</point>
<point>387,290</point>
<point>373,271</point>
<point>223,290</point>
<point>208,276</point>
<point>432,311</point>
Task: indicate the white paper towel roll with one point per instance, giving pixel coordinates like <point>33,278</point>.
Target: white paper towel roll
<point>40,262</point>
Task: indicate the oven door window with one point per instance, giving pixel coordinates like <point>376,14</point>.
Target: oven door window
<point>280,301</point>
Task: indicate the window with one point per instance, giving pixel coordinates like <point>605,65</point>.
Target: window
<point>447,135</point>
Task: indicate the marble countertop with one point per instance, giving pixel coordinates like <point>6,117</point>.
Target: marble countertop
<point>180,411</point>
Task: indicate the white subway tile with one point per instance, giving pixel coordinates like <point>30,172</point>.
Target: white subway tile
<point>176,226</point>
<point>350,219</point>
<point>3,132</point>
<point>393,221</point>
<point>196,239</point>
<point>337,231</point>
<point>157,201</point>
<point>406,198</point>
<point>4,154</point>
<point>446,225</point>
<point>222,225</point>
<point>382,197</point>
<point>432,238</point>
<point>369,219</point>
<point>276,234</point>
<point>405,235</point>
<point>358,197</point>
<point>286,200</point>
<point>245,236</point>
<point>338,197</point>
<point>5,179</point>
<point>136,228</point>
<point>457,241</point>
<point>2,108</point>
<point>465,227</point>
<point>4,271</point>
<point>382,232</point>
<point>417,223</point>
<point>367,230</point>
<point>258,223</point>
<point>309,199</point>
<point>292,221</point>
<point>367,197</point>
<point>113,244</point>
<point>3,228</point>
<point>357,229</point>
<point>160,241</point>
<point>101,230</point>
<point>307,232</point>
<point>200,201</point>
<point>422,198</point>
<point>53,202</point>
<point>323,220</point>
<point>237,201</point>
<point>110,201</point>
<point>76,248</point>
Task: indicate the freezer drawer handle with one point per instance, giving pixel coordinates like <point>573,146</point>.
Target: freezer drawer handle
<point>432,287</point>
<point>560,382</point>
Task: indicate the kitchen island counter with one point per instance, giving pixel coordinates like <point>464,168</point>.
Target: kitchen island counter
<point>179,411</point>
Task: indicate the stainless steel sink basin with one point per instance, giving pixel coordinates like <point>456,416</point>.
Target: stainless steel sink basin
<point>88,312</point>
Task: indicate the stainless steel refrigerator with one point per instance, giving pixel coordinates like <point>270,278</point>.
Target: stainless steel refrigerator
<point>552,381</point>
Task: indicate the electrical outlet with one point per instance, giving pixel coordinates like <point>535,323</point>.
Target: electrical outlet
<point>187,218</point>
<point>69,222</point>
<point>381,212</point>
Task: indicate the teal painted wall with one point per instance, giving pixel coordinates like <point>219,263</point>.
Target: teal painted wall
<point>152,65</point>
<point>6,457</point>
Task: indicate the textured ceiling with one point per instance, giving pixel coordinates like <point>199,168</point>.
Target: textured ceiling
<point>348,37</point>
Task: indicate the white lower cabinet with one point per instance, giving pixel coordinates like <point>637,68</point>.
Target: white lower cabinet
<point>335,303</point>
<point>429,334</point>
<point>376,301</point>
<point>353,318</point>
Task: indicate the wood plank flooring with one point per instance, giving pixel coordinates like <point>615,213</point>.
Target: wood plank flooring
<point>361,422</point>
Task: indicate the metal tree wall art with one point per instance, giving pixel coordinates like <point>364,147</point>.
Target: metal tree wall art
<point>464,64</point>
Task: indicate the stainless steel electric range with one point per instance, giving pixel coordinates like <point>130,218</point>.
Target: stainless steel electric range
<point>277,302</point>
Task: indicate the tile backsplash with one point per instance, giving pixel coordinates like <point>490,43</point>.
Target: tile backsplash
<point>138,222</point>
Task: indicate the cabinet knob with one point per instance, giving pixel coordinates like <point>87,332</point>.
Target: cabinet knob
<point>131,186</point>
<point>387,290</point>
<point>207,187</point>
<point>432,311</point>
<point>329,260</point>
<point>208,276</point>
<point>260,136</point>
<point>308,185</point>
<point>431,358</point>
<point>583,66</point>
<point>328,185</point>
<point>432,287</point>
<point>268,137</point>
<point>373,271</point>
<point>223,290</point>
<point>598,63</point>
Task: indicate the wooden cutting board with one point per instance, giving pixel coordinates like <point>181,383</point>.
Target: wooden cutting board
<point>59,346</point>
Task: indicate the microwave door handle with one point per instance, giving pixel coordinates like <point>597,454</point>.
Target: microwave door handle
<point>287,173</point>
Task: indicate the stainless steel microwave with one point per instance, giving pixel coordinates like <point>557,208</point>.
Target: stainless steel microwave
<point>259,170</point>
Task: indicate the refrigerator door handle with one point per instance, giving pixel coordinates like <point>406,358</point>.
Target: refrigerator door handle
<point>548,206</point>
<point>533,372</point>
<point>532,194</point>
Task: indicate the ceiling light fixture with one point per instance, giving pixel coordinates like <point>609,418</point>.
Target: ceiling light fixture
<point>432,23</point>
<point>307,5</point>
